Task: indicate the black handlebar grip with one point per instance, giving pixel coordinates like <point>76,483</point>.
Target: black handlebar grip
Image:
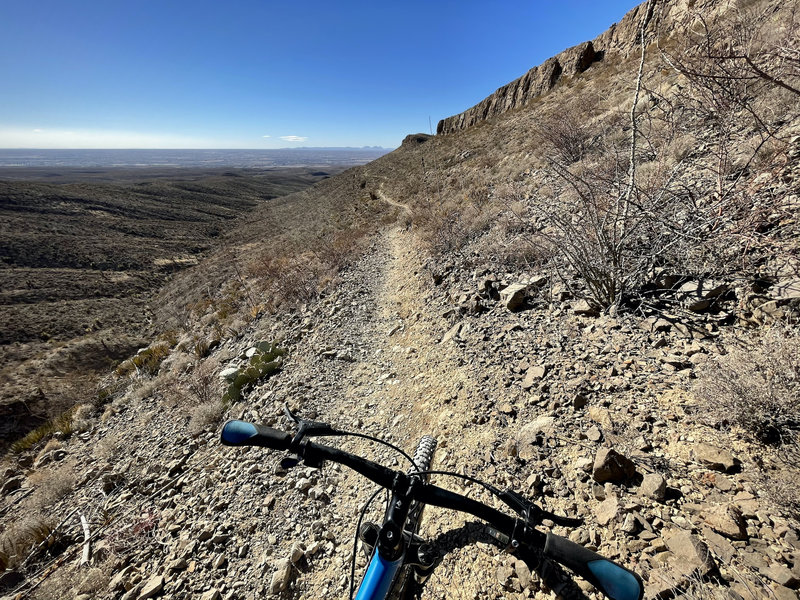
<point>242,433</point>
<point>616,582</point>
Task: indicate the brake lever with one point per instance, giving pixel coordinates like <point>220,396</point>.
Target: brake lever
<point>533,514</point>
<point>307,428</point>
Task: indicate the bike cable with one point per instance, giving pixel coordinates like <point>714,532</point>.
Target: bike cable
<point>355,539</point>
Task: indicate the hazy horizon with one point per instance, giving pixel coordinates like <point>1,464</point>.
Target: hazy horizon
<point>16,158</point>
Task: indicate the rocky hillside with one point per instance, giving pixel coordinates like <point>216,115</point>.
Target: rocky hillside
<point>440,290</point>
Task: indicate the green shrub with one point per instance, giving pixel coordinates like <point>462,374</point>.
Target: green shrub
<point>61,423</point>
<point>267,360</point>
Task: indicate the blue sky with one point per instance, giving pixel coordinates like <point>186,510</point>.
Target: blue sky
<point>265,74</point>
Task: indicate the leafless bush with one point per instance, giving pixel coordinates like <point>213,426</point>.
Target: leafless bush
<point>205,415</point>
<point>649,201</point>
<point>755,386</point>
<point>614,236</point>
<point>288,279</point>
<point>566,135</point>
<point>203,384</point>
<point>134,532</point>
<point>735,63</point>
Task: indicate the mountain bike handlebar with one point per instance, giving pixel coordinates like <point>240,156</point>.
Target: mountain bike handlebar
<point>615,581</point>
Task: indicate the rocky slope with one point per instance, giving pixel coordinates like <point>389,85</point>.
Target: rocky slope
<point>589,416</point>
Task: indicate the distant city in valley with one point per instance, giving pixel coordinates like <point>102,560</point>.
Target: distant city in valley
<point>190,158</point>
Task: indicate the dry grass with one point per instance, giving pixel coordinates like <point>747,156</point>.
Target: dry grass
<point>146,361</point>
<point>52,486</point>
<point>203,384</point>
<point>17,542</point>
<point>109,447</point>
<point>61,424</point>
<point>205,417</point>
<point>755,386</point>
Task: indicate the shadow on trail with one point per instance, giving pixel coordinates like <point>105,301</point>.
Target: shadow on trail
<point>551,576</point>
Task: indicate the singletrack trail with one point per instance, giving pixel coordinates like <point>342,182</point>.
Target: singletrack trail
<point>373,360</point>
<point>388,200</point>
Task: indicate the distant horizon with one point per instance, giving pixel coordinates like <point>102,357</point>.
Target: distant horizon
<point>32,158</point>
<point>209,149</point>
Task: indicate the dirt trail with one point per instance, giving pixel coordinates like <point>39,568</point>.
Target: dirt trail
<point>388,200</point>
<point>370,357</point>
<point>399,381</point>
<point>430,390</point>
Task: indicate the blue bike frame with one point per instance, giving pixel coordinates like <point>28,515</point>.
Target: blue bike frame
<point>378,578</point>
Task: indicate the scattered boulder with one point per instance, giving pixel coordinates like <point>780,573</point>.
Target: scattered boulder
<point>452,334</point>
<point>607,510</point>
<point>714,458</point>
<point>513,297</point>
<point>530,436</point>
<point>692,556</point>
<point>654,486</point>
<point>727,520</point>
<point>532,375</point>
<point>602,417</point>
<point>281,577</point>
<point>586,308</point>
<point>611,466</point>
<point>781,575</point>
<point>153,587</point>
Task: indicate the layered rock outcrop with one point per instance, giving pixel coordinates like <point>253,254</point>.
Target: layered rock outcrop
<point>520,91</point>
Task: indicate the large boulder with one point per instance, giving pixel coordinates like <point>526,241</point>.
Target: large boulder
<point>692,556</point>
<point>513,296</point>
<point>611,466</point>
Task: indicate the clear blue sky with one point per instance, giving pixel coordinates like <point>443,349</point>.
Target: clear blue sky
<point>227,74</point>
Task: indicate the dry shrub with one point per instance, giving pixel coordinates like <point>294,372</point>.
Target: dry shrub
<point>784,490</point>
<point>288,280</point>
<point>82,418</point>
<point>204,416</point>
<point>108,447</point>
<point>133,532</point>
<point>52,444</point>
<point>566,135</point>
<point>447,229</point>
<point>23,536</point>
<point>755,386</point>
<point>94,581</point>
<point>203,383</point>
<point>51,486</point>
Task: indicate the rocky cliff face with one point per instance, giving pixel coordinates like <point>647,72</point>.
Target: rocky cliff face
<point>615,43</point>
<point>519,92</point>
